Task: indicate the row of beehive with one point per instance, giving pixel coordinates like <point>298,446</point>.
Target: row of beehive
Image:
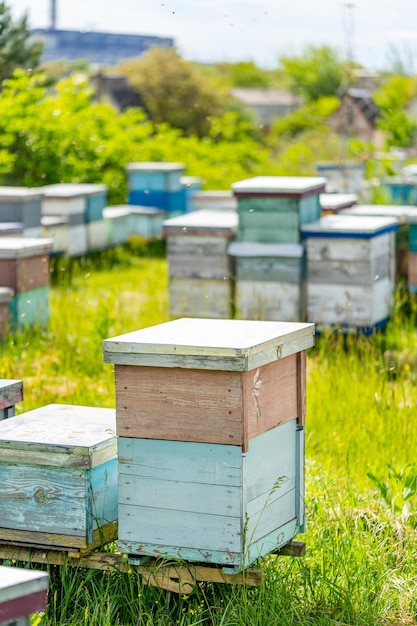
<point>332,270</point>
<point>210,421</point>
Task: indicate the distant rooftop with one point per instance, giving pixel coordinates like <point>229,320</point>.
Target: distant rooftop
<point>97,47</point>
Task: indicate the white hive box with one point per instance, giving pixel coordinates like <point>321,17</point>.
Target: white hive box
<point>350,271</point>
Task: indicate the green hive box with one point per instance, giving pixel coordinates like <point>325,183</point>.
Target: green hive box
<point>271,209</point>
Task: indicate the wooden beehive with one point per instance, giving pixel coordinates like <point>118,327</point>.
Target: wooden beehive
<point>157,184</point>
<point>191,185</point>
<point>406,215</point>
<point>81,204</point>
<point>24,268</point>
<point>22,204</point>
<point>336,202</point>
<point>343,177</point>
<point>57,229</point>
<point>200,269</point>
<point>146,221</point>
<point>272,208</point>
<point>58,472</point>
<point>11,392</point>
<point>6,297</point>
<point>11,229</point>
<point>210,422</point>
<point>22,593</point>
<point>118,224</point>
<point>97,235</point>
<point>399,189</point>
<point>270,281</point>
<point>350,271</point>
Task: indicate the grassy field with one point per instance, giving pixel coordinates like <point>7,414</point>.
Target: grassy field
<point>360,566</point>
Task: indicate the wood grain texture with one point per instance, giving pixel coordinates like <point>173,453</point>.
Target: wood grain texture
<point>11,392</point>
<point>12,540</point>
<point>269,300</point>
<point>346,249</point>
<point>200,297</point>
<point>204,405</point>
<point>351,272</point>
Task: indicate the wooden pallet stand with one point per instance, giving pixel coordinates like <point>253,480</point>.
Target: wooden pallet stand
<point>178,577</point>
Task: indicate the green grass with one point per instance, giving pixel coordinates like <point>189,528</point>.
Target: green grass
<point>360,566</point>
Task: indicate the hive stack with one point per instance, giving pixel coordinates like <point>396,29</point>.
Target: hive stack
<point>158,185</point>
<point>405,237</point>
<point>269,256</point>
<point>118,224</point>
<point>24,268</point>
<point>399,189</point>
<point>58,472</point>
<point>20,208</point>
<point>81,205</point>
<point>200,270</point>
<point>11,392</point>
<point>350,272</point>
<point>210,423</point>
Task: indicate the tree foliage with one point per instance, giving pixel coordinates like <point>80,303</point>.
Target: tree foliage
<point>310,116</point>
<point>17,50</point>
<point>393,98</point>
<point>316,72</point>
<point>173,90</point>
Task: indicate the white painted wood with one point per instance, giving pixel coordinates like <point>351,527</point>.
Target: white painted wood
<point>403,213</point>
<point>267,300</point>
<point>97,235</point>
<point>349,226</point>
<point>23,247</point>
<point>212,341</point>
<point>259,249</point>
<point>56,229</point>
<point>204,220</point>
<point>81,434</point>
<point>78,244</point>
<point>280,184</point>
<point>64,206</point>
<point>353,305</point>
<point>197,245</point>
<point>337,201</point>
<point>322,249</point>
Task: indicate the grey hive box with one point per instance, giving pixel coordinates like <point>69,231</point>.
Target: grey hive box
<point>270,280</point>
<point>350,271</point>
<point>210,421</point>
<point>200,269</point>
<point>272,208</point>
<point>58,472</point>
<point>11,392</point>
<point>22,593</point>
<point>6,297</point>
<point>24,205</point>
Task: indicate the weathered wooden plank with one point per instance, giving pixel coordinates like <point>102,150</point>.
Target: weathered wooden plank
<point>97,235</point>
<point>350,272</point>
<point>272,515</point>
<point>321,249</point>
<point>26,273</point>
<point>269,300</point>
<point>301,387</point>
<point>197,245</point>
<point>300,474</point>
<point>200,297</point>
<point>206,268</point>
<point>74,545</point>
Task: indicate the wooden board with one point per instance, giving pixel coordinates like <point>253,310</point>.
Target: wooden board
<point>200,297</point>
<point>194,501</point>
<point>205,405</point>
<point>11,392</point>
<point>358,306</point>
<point>350,272</point>
<point>26,273</point>
<point>412,269</point>
<point>269,300</point>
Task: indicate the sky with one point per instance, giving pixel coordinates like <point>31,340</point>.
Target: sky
<point>372,32</point>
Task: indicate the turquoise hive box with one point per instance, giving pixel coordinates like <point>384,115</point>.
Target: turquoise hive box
<point>58,476</point>
<point>157,184</point>
<point>210,421</point>
<point>271,209</point>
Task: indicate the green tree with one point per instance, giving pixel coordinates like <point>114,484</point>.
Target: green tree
<point>17,50</point>
<point>316,72</point>
<point>399,127</point>
<point>173,90</point>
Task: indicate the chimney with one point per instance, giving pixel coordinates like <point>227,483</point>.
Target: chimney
<point>53,15</point>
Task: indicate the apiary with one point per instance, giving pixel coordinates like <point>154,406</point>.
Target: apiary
<point>350,271</point>
<point>271,209</point>
<point>157,184</point>
<point>11,392</point>
<point>200,268</point>
<point>210,420</point>
<point>270,280</point>
<point>58,472</point>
